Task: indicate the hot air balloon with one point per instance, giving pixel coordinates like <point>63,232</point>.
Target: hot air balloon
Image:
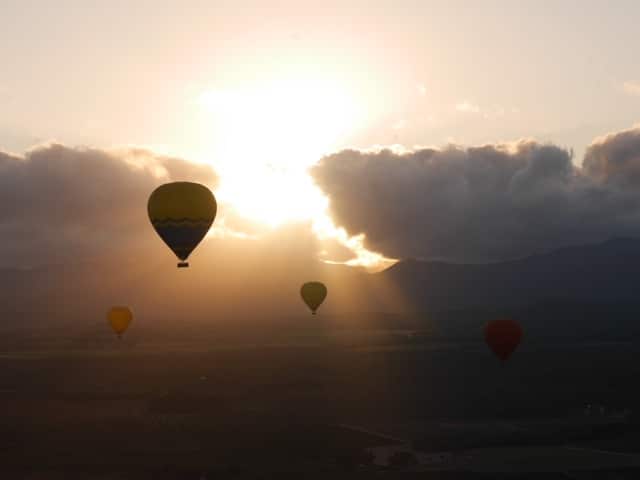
<point>182,213</point>
<point>119,318</point>
<point>313,294</point>
<point>503,337</point>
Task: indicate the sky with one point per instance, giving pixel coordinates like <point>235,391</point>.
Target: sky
<point>285,109</point>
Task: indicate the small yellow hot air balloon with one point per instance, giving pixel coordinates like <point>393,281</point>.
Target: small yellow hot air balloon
<point>313,294</point>
<point>182,213</point>
<point>119,318</point>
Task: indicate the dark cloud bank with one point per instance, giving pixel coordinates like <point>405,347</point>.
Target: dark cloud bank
<point>486,203</point>
<point>58,202</point>
<point>473,204</point>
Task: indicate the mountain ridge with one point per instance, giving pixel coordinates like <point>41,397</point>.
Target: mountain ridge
<point>594,272</point>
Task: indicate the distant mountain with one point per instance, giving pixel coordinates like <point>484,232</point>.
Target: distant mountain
<point>603,273</point>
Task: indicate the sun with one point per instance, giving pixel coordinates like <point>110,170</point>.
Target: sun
<point>262,138</point>
<point>266,136</point>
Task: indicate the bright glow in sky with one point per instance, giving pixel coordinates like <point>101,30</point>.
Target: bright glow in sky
<point>264,137</point>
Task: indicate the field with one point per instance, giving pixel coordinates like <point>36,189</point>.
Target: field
<point>222,404</point>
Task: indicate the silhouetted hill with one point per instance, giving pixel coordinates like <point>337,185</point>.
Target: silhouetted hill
<point>603,273</point>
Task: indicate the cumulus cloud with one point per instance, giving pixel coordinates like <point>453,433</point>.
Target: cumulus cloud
<point>485,203</point>
<point>631,88</point>
<point>615,159</point>
<point>57,201</point>
<point>467,107</point>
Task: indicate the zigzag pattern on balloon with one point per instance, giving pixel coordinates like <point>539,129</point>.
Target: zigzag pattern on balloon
<point>181,222</point>
<point>182,213</point>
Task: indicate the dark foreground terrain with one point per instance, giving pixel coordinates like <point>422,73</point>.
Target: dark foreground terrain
<point>201,405</point>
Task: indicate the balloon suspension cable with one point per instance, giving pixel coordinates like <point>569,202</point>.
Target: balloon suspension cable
<point>313,313</point>
<point>183,264</point>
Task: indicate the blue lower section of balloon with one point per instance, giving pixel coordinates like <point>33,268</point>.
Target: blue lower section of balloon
<point>182,239</point>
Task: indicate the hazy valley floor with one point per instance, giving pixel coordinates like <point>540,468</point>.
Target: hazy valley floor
<point>212,407</point>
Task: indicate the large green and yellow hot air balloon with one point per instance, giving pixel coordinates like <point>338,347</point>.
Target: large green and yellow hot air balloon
<point>182,213</point>
<point>313,294</point>
<point>119,318</point>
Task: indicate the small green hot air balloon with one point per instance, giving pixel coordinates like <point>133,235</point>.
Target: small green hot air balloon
<point>313,294</point>
<point>182,213</point>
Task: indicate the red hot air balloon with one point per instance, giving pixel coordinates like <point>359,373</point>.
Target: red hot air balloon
<point>503,337</point>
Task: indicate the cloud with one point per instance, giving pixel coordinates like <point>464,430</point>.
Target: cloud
<point>631,88</point>
<point>614,159</point>
<point>467,107</point>
<point>487,112</point>
<point>58,202</point>
<point>485,203</point>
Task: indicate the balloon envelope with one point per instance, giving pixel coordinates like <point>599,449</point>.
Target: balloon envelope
<point>182,213</point>
<point>503,337</point>
<point>313,294</point>
<point>119,318</point>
